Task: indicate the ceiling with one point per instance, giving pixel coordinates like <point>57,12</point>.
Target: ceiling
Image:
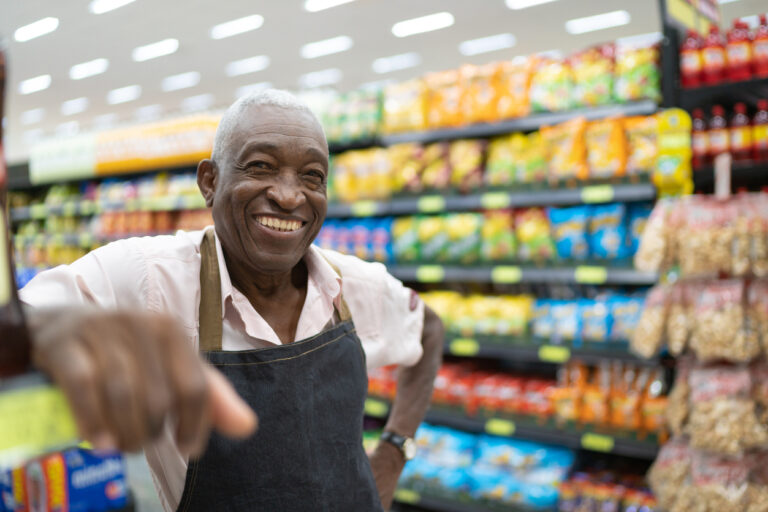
<point>82,36</point>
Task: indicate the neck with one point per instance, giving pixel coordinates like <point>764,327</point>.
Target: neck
<point>257,286</point>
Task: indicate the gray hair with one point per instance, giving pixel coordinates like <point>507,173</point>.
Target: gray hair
<point>265,97</point>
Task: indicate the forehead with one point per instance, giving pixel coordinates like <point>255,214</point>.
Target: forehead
<point>282,126</point>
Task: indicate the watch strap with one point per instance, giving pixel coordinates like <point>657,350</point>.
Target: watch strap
<point>393,438</point>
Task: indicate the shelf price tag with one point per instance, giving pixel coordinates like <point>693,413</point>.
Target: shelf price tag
<point>506,274</point>
<point>407,496</point>
<point>500,427</point>
<point>430,273</point>
<point>464,347</point>
<point>376,408</point>
<point>495,200</point>
<point>587,274</point>
<point>554,354</point>
<point>38,211</point>
<point>597,194</point>
<point>363,208</point>
<point>431,204</point>
<point>597,442</point>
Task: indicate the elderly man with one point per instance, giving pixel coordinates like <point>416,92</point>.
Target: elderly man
<point>291,327</point>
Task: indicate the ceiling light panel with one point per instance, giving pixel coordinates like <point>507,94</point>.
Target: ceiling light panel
<point>396,62</point>
<point>35,84</point>
<point>320,78</point>
<point>90,68</point>
<point>74,106</point>
<point>245,90</point>
<point>197,103</point>
<point>180,81</point>
<point>238,26</point>
<point>249,65</point>
<point>102,6</point>
<point>330,46</point>
<point>422,24</point>
<point>524,4</point>
<point>321,5</point>
<point>487,44</point>
<point>123,94</point>
<point>32,116</point>
<point>597,22</point>
<point>154,50</point>
<point>36,29</point>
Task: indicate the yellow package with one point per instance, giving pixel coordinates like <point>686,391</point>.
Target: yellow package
<point>500,167</point>
<point>485,311</point>
<point>533,165</point>
<point>466,161</point>
<point>444,99</point>
<point>566,150</point>
<point>437,168</point>
<point>344,178</point>
<point>404,107</point>
<point>672,173</point>
<point>606,148</point>
<point>481,92</point>
<point>641,133</point>
<point>498,236</point>
<point>514,79</point>
<point>551,86</point>
<point>381,179</point>
<point>433,239</point>
<point>444,304</point>
<point>515,313</point>
<point>405,164</point>
<point>464,238</point>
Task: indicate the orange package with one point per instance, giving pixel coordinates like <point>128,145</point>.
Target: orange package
<point>514,79</point>
<point>596,394</point>
<point>642,150</point>
<point>566,150</point>
<point>481,92</point>
<point>444,99</point>
<point>466,161</point>
<point>606,148</point>
<point>566,397</point>
<point>654,406</point>
<point>404,107</point>
<point>626,394</point>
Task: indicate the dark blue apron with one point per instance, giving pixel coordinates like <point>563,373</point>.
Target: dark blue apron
<point>308,452</point>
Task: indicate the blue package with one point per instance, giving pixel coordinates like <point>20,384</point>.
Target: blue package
<point>381,240</point>
<point>327,235</point>
<point>566,321</point>
<point>625,313</point>
<point>360,234</point>
<point>595,320</point>
<point>7,501</point>
<point>569,231</point>
<point>637,218</point>
<point>608,232</point>
<point>541,324</point>
<point>493,484</point>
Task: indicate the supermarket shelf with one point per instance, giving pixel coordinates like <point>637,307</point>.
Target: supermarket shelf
<point>407,500</point>
<point>530,350</point>
<point>522,124</point>
<point>726,93</point>
<point>511,274</point>
<point>749,175</point>
<point>436,203</point>
<point>75,208</point>
<point>600,439</point>
<point>335,147</point>
<point>85,240</point>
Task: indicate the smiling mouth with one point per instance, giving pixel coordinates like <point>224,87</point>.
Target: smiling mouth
<point>275,224</point>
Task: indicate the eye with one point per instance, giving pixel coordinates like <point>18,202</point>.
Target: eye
<point>259,164</point>
<point>315,175</point>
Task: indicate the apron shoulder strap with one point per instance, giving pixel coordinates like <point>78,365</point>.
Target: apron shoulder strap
<point>343,310</point>
<point>210,295</point>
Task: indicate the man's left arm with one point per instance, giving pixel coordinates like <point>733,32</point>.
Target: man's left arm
<point>414,391</point>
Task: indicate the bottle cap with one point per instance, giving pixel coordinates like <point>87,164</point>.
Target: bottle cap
<point>718,110</point>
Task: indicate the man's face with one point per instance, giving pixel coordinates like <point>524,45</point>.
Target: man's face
<point>270,191</point>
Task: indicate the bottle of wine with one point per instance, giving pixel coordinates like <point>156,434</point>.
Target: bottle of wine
<point>15,347</point>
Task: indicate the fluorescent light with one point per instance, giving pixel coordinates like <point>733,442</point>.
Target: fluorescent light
<point>102,6</point>
<point>74,106</point>
<point>148,112</point>
<point>123,94</point>
<point>326,47</point>
<point>751,21</point>
<point>245,90</point>
<point>321,5</point>
<point>36,29</point>
<point>320,78</point>
<point>32,116</point>
<point>35,84</point>
<point>90,68</point>
<point>396,62</point>
<point>422,24</point>
<point>524,4</point>
<point>487,44</point>
<point>199,102</point>
<point>249,65</point>
<point>154,50</point>
<point>180,81</point>
<point>597,22</point>
<point>238,26</point>
<point>104,121</point>
<point>68,128</point>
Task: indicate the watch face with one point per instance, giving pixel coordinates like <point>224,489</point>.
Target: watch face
<point>409,449</point>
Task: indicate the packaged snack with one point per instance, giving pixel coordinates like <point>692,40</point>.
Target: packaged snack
<point>404,107</point>
<point>757,492</point>
<point>679,398</point>
<point>759,246</point>
<point>704,243</point>
<point>551,86</point>
<point>680,317</point>
<point>566,321</point>
<point>759,373</point>
<point>654,402</point>
<point>741,246</point>
<point>433,238</point>
<point>481,92</point>
<point>444,99</point>
<point>567,152</point>
<point>670,470</point>
<point>436,173</point>
<point>654,249</point>
<point>637,218</point>
<point>757,310</point>
<point>649,331</point>
<point>405,239</point>
<point>595,320</point>
<point>464,242</point>
<point>542,325</point>
<point>503,160</point>
<point>626,394</point>
<point>595,400</point>
<point>642,144</point>
<point>637,73</point>
<point>720,482</point>
<point>593,76</point>
<point>533,237</point>
<point>625,314</point>
<point>381,240</point>
<point>406,166</point>
<point>466,161</point>
<point>608,232</point>
<point>566,397</point>
<point>498,236</point>
<point>533,165</point>
<point>569,232</point>
<point>606,148</point>
<point>513,86</point>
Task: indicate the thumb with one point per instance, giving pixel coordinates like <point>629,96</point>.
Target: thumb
<point>230,415</point>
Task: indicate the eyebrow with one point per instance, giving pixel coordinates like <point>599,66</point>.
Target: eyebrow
<point>264,147</point>
<point>316,153</point>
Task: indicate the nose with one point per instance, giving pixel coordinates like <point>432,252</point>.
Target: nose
<point>286,192</point>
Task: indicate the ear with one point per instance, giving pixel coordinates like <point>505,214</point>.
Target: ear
<point>207,175</point>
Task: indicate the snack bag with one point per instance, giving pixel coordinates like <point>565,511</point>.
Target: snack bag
<point>345,177</point>
<point>626,393</point>
<point>436,173</point>
<point>649,332</point>
<point>514,314</point>
<point>757,311</point>
<point>704,243</point>
<point>465,158</point>
<point>406,166</point>
<point>681,318</point>
<point>741,246</point>
<point>542,325</point>
<point>445,97</point>
<point>642,142</point>
<point>654,250</point>
<point>404,107</point>
<point>759,374</point>
<point>670,470</point>
<point>566,397</point>
<point>654,403</point>
<point>481,92</point>
<point>678,400</point>
<point>595,409</point>
<point>533,164</point>
<point>498,236</point>
<point>637,218</point>
<point>720,482</point>
<point>757,492</point>
<point>759,245</point>
<point>566,320</point>
<point>405,239</point>
<point>606,148</point>
<point>464,242</point>
<point>593,76</point>
<point>608,232</point>
<point>551,86</point>
<point>637,74</point>
<point>569,231</point>
<point>567,152</point>
<point>433,238</point>
<point>513,85</point>
<point>532,233</point>
<point>625,314</point>
<point>381,240</point>
<point>502,160</point>
<point>595,320</point>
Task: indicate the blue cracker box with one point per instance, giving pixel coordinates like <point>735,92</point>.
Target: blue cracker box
<point>74,480</point>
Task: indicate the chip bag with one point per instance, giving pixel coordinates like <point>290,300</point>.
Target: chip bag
<point>404,107</point>
<point>481,92</point>
<point>513,85</point>
<point>551,86</point>
<point>533,236</point>
<point>593,76</point>
<point>465,158</point>
<point>637,73</point>
<point>445,97</point>
<point>464,241</point>
<point>498,236</point>
<point>642,142</point>
<point>569,231</point>
<point>608,232</point>
<point>533,166</point>
<point>606,148</point>
<point>566,150</point>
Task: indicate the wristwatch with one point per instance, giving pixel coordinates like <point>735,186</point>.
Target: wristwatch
<point>406,444</point>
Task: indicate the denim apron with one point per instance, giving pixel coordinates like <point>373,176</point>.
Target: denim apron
<point>307,454</point>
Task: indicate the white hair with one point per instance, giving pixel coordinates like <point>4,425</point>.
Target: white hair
<point>265,97</point>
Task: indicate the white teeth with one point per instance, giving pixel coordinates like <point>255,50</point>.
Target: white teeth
<point>279,224</point>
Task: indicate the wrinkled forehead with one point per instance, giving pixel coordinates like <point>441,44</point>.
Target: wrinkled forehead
<point>278,124</point>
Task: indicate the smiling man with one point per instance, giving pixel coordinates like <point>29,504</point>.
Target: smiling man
<point>291,327</point>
